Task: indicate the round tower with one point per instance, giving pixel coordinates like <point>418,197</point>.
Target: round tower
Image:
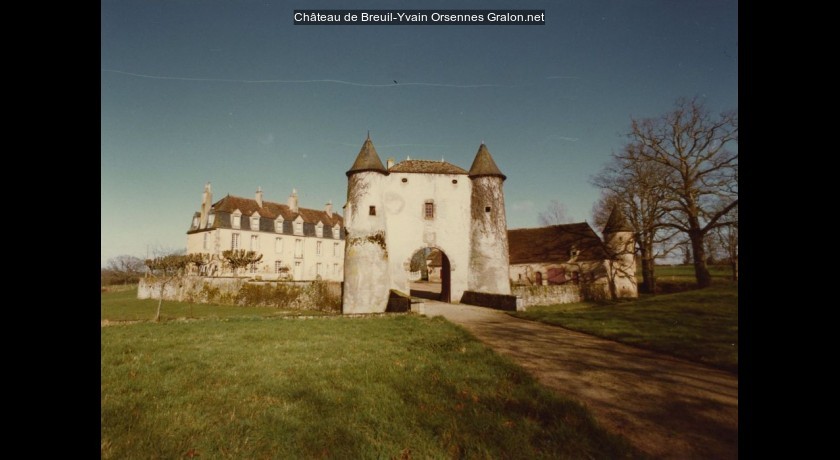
<point>366,277</point>
<point>620,242</point>
<point>489,257</point>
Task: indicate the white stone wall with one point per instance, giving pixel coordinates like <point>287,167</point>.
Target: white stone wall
<point>547,295</point>
<point>489,254</point>
<point>366,276</point>
<point>408,230</point>
<point>623,266</point>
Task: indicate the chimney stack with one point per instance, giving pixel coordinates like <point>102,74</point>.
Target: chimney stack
<point>390,162</point>
<point>293,201</point>
<point>259,196</point>
<point>206,203</point>
<point>328,209</point>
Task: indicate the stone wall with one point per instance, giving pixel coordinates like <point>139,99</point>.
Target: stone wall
<point>236,291</point>
<point>547,295</point>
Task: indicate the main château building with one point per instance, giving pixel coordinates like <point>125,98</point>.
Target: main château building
<point>296,243</point>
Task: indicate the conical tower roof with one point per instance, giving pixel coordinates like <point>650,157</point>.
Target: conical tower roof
<point>617,222</point>
<point>483,165</point>
<point>367,160</point>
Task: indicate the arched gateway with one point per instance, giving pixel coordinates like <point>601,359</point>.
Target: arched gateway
<point>392,212</point>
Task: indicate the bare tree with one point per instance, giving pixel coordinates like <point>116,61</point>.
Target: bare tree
<point>727,240</point>
<point>701,173</point>
<point>125,269</point>
<point>240,258</point>
<point>166,270</point>
<point>636,187</point>
<point>555,214</point>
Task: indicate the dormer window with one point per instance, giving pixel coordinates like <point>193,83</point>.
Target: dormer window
<point>210,219</point>
<point>236,219</point>
<point>298,226</point>
<point>195,222</point>
<point>255,222</point>
<point>336,232</point>
<point>319,230</point>
<point>278,225</point>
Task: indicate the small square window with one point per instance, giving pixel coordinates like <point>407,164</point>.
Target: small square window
<point>372,211</point>
<point>487,209</point>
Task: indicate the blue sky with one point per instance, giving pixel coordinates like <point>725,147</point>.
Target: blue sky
<point>229,92</point>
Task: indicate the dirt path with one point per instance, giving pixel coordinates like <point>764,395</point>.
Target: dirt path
<point>667,407</point>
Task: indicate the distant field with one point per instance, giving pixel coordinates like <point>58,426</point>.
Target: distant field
<point>122,304</point>
<point>687,271</point>
<point>334,387</point>
<point>700,325</point>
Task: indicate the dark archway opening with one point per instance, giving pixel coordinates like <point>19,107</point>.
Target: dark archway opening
<point>434,282</point>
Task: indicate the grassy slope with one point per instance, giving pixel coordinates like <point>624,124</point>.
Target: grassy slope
<point>375,387</point>
<point>700,325</point>
<point>123,305</point>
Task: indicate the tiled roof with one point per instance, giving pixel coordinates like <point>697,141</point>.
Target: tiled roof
<point>483,165</point>
<point>367,160</point>
<point>271,210</point>
<point>554,244</point>
<point>426,166</point>
<point>617,222</point>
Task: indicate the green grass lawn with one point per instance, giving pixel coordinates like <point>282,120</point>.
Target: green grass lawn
<point>334,387</point>
<point>121,304</point>
<point>700,325</point>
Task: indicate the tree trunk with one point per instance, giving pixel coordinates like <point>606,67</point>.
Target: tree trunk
<point>701,271</point>
<point>648,278</point>
<point>734,263</point>
<point>160,302</point>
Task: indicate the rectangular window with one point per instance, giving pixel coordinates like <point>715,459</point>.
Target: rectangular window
<point>335,269</point>
<point>278,245</point>
<point>336,232</point>
<point>318,269</point>
<point>335,249</point>
<point>234,241</point>
<point>278,266</point>
<point>255,243</point>
<point>298,271</point>
<point>210,219</point>
<point>299,249</point>
<point>372,211</point>
<point>318,248</point>
<point>255,223</point>
<point>278,226</point>
<point>234,221</point>
<point>206,237</point>
<point>319,230</point>
<point>429,211</point>
<point>299,228</point>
